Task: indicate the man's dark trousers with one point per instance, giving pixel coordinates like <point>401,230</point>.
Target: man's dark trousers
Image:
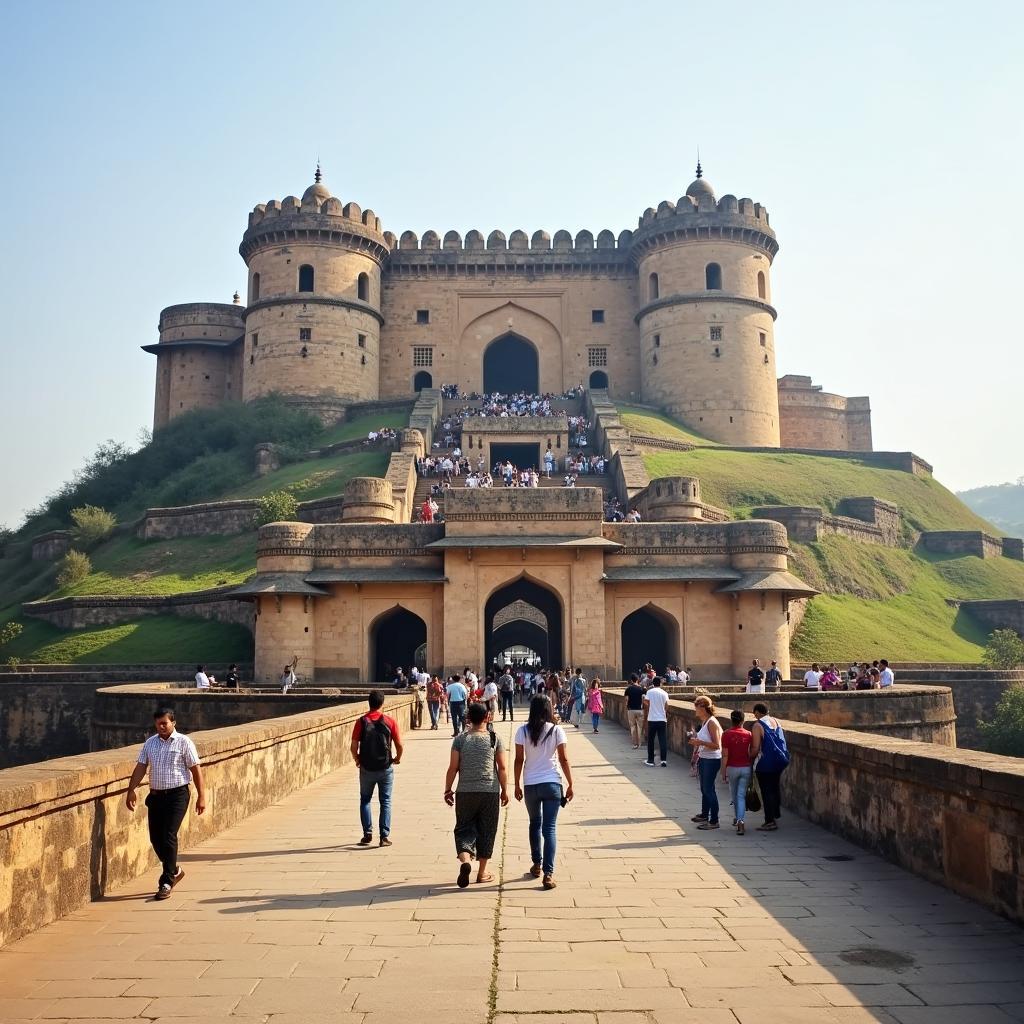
<point>167,809</point>
<point>506,705</point>
<point>659,730</point>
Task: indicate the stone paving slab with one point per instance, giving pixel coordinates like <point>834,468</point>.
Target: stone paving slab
<point>283,919</point>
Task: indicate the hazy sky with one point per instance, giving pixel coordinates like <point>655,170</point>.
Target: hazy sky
<point>885,139</point>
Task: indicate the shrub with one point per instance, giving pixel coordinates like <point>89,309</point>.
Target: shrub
<point>92,524</point>
<point>8,631</point>
<point>74,567</point>
<point>1004,734</point>
<point>275,507</point>
<point>1005,649</point>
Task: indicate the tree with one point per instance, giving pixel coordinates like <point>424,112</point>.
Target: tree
<point>1004,734</point>
<point>92,525</point>
<point>276,507</point>
<point>1005,649</point>
<point>74,567</point>
<point>8,631</point>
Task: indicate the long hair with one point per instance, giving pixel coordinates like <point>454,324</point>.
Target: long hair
<point>540,716</point>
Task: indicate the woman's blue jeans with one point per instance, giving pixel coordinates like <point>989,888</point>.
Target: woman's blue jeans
<point>708,769</point>
<point>739,782</point>
<point>595,717</point>
<point>543,802</point>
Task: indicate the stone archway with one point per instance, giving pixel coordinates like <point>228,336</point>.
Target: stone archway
<point>546,640</point>
<point>598,380</point>
<point>396,638</point>
<point>511,365</point>
<point>422,380</point>
<point>648,635</point>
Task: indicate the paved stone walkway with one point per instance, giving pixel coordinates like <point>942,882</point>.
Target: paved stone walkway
<point>283,919</point>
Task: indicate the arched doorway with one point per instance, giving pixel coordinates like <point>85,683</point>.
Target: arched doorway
<point>396,638</point>
<point>510,364</point>
<point>545,639</point>
<point>598,379</point>
<point>648,635</point>
<point>422,380</point>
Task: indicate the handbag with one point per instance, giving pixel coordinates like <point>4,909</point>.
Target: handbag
<point>753,796</point>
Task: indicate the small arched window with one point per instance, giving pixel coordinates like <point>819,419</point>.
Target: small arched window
<point>363,288</point>
<point>305,278</point>
<point>652,287</point>
<point>762,290</point>
<point>255,287</point>
<point>713,277</point>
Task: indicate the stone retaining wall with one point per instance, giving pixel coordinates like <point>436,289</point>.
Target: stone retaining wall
<point>954,817</point>
<point>962,542</point>
<point>67,838</point>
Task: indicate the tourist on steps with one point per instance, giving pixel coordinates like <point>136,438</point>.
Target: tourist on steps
<point>770,754</point>
<point>540,750</point>
<point>478,759</point>
<point>708,742</point>
<point>173,761</point>
<point>373,737</point>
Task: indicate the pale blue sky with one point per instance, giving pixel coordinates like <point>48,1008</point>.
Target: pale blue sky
<point>885,139</point>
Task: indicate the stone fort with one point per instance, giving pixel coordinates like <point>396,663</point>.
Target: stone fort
<point>677,314</point>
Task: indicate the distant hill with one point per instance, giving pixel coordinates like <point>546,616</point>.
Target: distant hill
<point>1000,504</point>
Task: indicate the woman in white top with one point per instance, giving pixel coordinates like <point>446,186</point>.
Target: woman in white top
<point>709,742</point>
<point>540,750</point>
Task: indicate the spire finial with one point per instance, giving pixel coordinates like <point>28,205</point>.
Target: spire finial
<point>700,171</point>
<point>317,175</point>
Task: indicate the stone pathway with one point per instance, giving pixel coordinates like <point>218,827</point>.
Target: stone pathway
<point>284,920</point>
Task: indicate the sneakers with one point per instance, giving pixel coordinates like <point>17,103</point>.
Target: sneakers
<point>164,892</point>
<point>178,876</point>
<point>741,829</point>
<point>707,826</point>
<point>664,764</point>
<point>650,764</point>
<point>366,840</point>
<point>699,817</point>
<point>549,882</point>
<point>384,841</point>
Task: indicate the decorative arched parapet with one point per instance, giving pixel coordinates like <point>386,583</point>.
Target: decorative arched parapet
<point>408,240</point>
<point>496,240</point>
<point>563,241</point>
<point>541,240</point>
<point>584,241</point>
<point>430,240</point>
<point>605,239</point>
<point>352,211</point>
<point>474,240</point>
<point>452,240</point>
<point>518,241</point>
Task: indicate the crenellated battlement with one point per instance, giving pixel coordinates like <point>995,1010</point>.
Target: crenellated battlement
<point>540,242</point>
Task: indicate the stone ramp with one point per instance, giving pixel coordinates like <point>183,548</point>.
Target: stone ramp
<point>284,920</point>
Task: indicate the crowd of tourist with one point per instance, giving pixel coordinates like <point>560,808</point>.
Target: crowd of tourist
<point>863,676</point>
<point>381,434</point>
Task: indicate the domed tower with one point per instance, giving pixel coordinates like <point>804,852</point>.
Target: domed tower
<point>312,326</point>
<point>707,353</point>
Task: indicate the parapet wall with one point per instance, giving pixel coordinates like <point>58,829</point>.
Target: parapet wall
<point>812,418</point>
<point>954,817</point>
<point>66,836</point>
<point>962,542</point>
<point>808,524</point>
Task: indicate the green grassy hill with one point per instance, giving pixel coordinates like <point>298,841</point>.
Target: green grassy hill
<point>875,601</point>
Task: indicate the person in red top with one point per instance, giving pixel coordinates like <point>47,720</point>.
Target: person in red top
<point>427,512</point>
<point>373,737</point>
<point>737,766</point>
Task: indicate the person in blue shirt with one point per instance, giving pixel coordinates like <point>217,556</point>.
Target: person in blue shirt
<point>458,696</point>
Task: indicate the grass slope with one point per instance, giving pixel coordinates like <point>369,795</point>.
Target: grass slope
<point>656,424</point>
<point>362,425</point>
<point>153,639</point>
<point>316,478</point>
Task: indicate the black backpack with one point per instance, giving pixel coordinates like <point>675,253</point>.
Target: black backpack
<point>375,745</point>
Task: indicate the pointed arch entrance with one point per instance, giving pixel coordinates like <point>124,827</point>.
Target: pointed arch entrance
<point>545,640</point>
<point>648,635</point>
<point>598,379</point>
<point>510,364</point>
<point>397,637</point>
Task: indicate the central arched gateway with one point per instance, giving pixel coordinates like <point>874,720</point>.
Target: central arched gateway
<point>510,364</point>
<point>648,635</point>
<point>546,640</point>
<point>396,639</point>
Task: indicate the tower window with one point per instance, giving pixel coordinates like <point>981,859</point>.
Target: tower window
<point>652,287</point>
<point>255,287</point>
<point>305,334</point>
<point>718,353</point>
<point>305,278</point>
<point>255,339</point>
<point>763,339</point>
<point>654,359</point>
<point>762,290</point>
<point>363,287</point>
<point>657,341</point>
<point>716,333</point>
<point>597,357</point>
<point>423,316</point>
<point>597,316</point>
<point>361,339</point>
<point>422,355</point>
<point>362,359</point>
<point>713,277</point>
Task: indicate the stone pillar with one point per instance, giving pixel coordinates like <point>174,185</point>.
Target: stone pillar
<point>267,459</point>
<point>285,628</point>
<point>760,630</point>
<point>368,499</point>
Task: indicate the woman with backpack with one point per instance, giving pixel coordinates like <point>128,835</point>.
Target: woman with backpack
<point>478,759</point>
<point>540,752</point>
<point>770,755</point>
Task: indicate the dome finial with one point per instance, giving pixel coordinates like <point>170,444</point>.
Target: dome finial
<point>700,171</point>
<point>317,175</point>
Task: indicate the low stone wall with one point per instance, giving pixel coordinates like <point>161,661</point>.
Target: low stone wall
<point>954,817</point>
<point>997,614</point>
<point>905,462</point>
<point>962,542</point>
<point>43,720</point>
<point>81,612</point>
<point>49,546</point>
<point>66,836</point>
<point>122,715</point>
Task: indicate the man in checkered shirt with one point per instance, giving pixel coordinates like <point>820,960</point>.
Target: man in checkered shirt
<point>172,760</point>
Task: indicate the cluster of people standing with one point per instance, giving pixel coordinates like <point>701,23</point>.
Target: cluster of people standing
<point>876,676</point>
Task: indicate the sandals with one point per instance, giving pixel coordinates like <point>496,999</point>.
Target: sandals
<point>485,879</point>
<point>465,870</point>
